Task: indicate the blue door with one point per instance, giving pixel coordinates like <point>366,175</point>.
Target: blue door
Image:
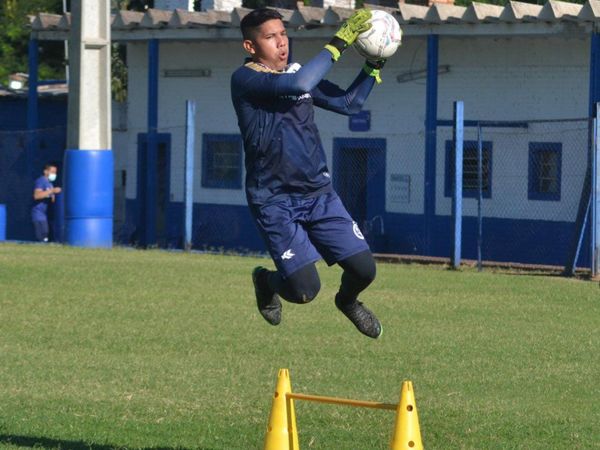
<point>359,179</point>
<point>153,191</point>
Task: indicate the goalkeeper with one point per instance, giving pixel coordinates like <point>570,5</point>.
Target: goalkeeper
<point>288,185</point>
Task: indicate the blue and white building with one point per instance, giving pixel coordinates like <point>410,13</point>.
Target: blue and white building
<point>529,76</point>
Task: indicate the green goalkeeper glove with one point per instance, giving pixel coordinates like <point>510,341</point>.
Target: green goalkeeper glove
<point>373,68</point>
<point>356,24</point>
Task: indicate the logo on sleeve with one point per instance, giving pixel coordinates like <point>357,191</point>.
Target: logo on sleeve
<point>288,254</point>
<point>357,231</point>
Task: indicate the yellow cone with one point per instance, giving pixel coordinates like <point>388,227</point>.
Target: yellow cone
<point>281,430</point>
<point>407,435</point>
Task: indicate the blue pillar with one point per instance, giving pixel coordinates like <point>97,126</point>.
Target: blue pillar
<point>2,222</point>
<point>149,202</point>
<point>595,191</point>
<point>430,141</point>
<point>585,198</point>
<point>89,197</point>
<point>32,107</point>
<point>458,132</point>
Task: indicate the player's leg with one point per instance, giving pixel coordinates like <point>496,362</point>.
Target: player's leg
<point>339,240</point>
<point>302,286</point>
<point>359,272</point>
<point>296,278</point>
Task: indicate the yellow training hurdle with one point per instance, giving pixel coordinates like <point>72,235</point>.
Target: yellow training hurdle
<point>282,433</point>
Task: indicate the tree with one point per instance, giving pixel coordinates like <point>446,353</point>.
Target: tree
<point>14,38</point>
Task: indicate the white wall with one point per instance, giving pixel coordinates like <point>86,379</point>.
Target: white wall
<point>518,79</point>
<point>498,79</point>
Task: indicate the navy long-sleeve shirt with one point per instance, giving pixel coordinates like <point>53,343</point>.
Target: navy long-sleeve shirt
<point>284,155</point>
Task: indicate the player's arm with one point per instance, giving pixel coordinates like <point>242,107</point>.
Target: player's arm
<point>273,84</point>
<point>330,96</point>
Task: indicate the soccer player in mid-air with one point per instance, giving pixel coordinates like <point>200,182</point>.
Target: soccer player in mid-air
<point>288,185</point>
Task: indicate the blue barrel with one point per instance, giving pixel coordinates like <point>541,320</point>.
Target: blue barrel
<point>2,222</point>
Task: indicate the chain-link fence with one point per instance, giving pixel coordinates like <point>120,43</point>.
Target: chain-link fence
<point>533,175</point>
<point>23,155</point>
<point>397,186</point>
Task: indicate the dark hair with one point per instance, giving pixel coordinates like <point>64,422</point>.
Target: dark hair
<point>255,19</point>
<point>48,165</point>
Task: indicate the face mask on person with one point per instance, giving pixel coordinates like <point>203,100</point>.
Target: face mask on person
<point>52,177</point>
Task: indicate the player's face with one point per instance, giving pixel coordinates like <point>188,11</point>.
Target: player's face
<point>270,45</point>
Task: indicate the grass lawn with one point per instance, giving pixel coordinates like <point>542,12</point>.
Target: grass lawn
<point>148,349</point>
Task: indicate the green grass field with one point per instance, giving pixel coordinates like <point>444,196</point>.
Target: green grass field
<point>149,349</point>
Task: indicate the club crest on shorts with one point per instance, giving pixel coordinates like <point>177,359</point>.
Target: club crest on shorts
<point>357,231</point>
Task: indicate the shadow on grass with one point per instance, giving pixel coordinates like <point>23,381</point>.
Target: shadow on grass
<point>49,443</point>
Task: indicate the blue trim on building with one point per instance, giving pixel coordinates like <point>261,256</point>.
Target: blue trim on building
<point>215,227</point>
<point>32,104</point>
<point>210,176</point>
<point>584,208</point>
<point>468,146</point>
<point>536,149</point>
<point>430,140</point>
<point>230,227</point>
<point>153,54</point>
<point>149,185</point>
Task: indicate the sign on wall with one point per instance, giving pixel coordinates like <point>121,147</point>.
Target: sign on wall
<point>399,192</point>
<point>361,121</point>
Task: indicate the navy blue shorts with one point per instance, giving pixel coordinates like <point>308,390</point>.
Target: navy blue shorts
<point>299,231</point>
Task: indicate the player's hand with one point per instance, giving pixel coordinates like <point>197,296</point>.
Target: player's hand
<point>56,190</point>
<point>373,67</point>
<point>356,24</point>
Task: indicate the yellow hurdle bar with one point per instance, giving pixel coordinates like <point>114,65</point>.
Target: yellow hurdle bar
<point>342,401</point>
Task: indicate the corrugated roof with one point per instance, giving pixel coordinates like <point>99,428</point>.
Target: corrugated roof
<point>415,19</point>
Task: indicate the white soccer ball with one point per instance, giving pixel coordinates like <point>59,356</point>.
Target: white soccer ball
<point>382,39</point>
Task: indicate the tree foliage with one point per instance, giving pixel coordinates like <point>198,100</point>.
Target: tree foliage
<point>14,38</point>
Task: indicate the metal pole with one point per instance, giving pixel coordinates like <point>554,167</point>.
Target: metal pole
<point>189,171</point>
<point>594,235</point>
<point>458,181</point>
<point>480,195</point>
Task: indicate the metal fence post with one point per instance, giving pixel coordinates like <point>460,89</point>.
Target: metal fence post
<point>595,186</point>
<point>189,171</point>
<point>479,195</point>
<point>458,134</point>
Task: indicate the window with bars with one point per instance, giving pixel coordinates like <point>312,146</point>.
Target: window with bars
<point>222,161</point>
<point>470,169</point>
<point>545,161</point>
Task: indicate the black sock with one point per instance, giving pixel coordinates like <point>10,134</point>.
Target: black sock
<point>359,272</point>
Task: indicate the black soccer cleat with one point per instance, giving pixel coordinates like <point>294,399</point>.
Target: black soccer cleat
<point>362,318</point>
<point>267,301</point>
